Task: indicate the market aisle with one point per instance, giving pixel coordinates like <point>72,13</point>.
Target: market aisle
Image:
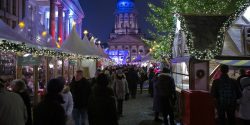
<point>138,111</point>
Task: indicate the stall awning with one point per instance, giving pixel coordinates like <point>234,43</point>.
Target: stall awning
<point>180,59</point>
<point>234,62</point>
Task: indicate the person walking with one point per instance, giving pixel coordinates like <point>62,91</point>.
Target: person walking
<point>244,110</point>
<point>19,87</point>
<point>101,105</point>
<point>12,108</point>
<point>132,79</point>
<point>120,89</point>
<point>242,73</point>
<point>80,89</point>
<point>166,96</point>
<point>225,91</point>
<point>50,111</point>
<point>150,75</point>
<point>68,101</point>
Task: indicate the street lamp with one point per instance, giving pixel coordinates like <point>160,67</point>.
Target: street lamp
<point>85,32</point>
<point>44,33</point>
<point>99,42</point>
<point>21,25</point>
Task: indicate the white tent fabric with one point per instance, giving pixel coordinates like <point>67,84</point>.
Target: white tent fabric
<point>75,45</point>
<point>9,34</point>
<point>91,65</point>
<point>88,44</point>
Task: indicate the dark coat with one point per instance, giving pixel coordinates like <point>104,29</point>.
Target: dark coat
<point>226,91</point>
<point>50,111</point>
<point>132,79</point>
<point>102,108</point>
<point>80,91</point>
<point>26,99</point>
<point>164,94</point>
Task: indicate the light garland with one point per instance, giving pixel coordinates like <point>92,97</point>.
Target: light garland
<point>207,7</point>
<point>210,54</point>
<point>7,46</point>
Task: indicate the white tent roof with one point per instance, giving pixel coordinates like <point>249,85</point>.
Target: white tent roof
<point>9,34</point>
<point>88,44</point>
<point>92,44</point>
<point>75,45</point>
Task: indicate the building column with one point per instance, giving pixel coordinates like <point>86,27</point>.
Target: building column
<point>60,24</point>
<point>66,23</point>
<point>52,17</point>
<point>80,29</point>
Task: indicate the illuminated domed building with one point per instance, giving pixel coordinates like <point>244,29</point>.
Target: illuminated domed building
<point>125,42</point>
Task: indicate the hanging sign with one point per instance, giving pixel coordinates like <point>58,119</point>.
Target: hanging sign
<point>29,60</point>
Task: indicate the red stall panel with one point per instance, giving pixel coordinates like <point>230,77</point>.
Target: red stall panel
<point>198,108</point>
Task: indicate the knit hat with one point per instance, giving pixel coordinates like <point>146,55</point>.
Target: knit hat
<point>55,86</point>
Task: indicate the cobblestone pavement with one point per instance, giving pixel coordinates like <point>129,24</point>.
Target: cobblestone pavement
<point>138,111</point>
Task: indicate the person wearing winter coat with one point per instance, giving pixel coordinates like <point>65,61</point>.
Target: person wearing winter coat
<point>80,89</point>
<point>12,108</point>
<point>19,87</point>
<point>50,111</point>
<point>120,89</point>
<point>244,111</point>
<point>225,92</point>
<point>68,101</point>
<point>101,107</point>
<point>166,96</point>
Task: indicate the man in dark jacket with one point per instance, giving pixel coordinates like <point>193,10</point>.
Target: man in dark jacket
<point>166,95</point>
<point>225,91</point>
<point>102,106</point>
<point>80,89</point>
<point>49,111</point>
<point>132,79</point>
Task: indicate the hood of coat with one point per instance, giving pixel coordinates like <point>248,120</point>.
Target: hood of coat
<point>66,89</point>
<point>246,91</point>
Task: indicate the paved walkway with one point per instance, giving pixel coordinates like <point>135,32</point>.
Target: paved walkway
<point>138,111</point>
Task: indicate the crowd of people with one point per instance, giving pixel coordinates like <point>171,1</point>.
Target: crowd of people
<point>232,95</point>
<point>100,100</point>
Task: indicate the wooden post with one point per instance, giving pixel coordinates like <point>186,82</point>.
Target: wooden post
<point>55,68</point>
<point>18,69</point>
<point>69,72</point>
<point>62,73</point>
<point>47,70</point>
<point>35,69</point>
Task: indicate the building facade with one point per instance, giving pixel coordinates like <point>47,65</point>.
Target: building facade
<point>12,11</point>
<point>126,35</point>
<point>45,21</point>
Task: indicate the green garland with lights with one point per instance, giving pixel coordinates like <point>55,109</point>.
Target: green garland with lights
<point>210,54</point>
<point>21,48</point>
<point>163,21</point>
<point>207,7</point>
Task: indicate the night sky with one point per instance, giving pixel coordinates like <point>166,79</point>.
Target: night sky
<point>99,16</point>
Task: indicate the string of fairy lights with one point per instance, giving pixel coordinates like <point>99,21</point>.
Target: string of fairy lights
<point>207,53</point>
<point>195,7</point>
<point>22,48</point>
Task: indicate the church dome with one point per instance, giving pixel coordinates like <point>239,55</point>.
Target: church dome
<point>125,5</point>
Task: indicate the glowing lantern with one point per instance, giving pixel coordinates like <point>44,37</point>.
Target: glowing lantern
<point>44,33</point>
<point>85,32</point>
<point>21,24</point>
